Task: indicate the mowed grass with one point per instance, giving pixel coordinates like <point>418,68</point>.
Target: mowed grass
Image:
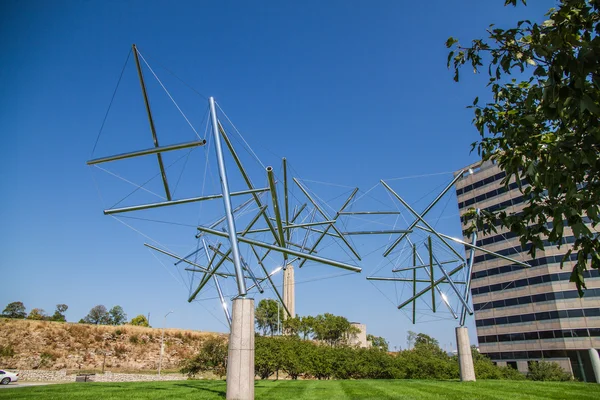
<point>342,389</point>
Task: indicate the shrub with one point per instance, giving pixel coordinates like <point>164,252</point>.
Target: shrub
<point>547,371</point>
<point>134,339</point>
<point>7,351</point>
<point>212,357</point>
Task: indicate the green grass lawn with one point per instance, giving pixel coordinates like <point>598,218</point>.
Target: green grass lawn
<point>362,389</point>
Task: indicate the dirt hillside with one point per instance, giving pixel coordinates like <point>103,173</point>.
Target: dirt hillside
<point>28,344</point>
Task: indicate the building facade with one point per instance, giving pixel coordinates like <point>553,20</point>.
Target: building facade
<point>526,314</point>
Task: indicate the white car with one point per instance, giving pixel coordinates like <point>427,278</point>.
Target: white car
<point>7,377</point>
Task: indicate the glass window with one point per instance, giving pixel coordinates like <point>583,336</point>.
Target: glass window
<point>575,313</point>
<point>546,335</point>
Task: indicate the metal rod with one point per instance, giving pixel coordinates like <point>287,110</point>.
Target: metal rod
<point>217,285</point>
<point>388,232</point>
<point>289,251</point>
<point>442,295</point>
<point>270,280</point>
<point>292,226</point>
<point>414,316</point>
<point>223,255</point>
<point>223,218</point>
<point>477,247</point>
<point>422,292</point>
<point>429,207</point>
<point>468,276</point>
<point>308,231</point>
<point>452,285</point>
<point>206,278</point>
<point>273,190</point>
<point>300,246</point>
<point>286,205</point>
<point>370,213</point>
<point>326,217</point>
<point>151,120</point>
<point>292,221</point>
<point>203,269</point>
<point>176,202</point>
<point>420,218</point>
<point>245,176</point>
<point>431,273</point>
<point>383,278</point>
<point>422,266</point>
<point>189,255</point>
<point>241,283</point>
<point>145,152</point>
<point>252,276</point>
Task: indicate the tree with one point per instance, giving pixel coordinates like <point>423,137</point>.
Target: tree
<point>547,371</point>
<point>267,356</point>
<point>307,326</point>
<point>267,316</point>
<point>291,326</point>
<point>543,127</point>
<point>59,314</point>
<point>37,314</point>
<point>97,316</point>
<point>212,357</point>
<point>410,339</point>
<point>117,316</point>
<point>15,309</point>
<point>378,342</point>
<point>140,320</point>
<point>332,329</point>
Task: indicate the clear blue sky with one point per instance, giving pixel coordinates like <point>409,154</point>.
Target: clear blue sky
<point>350,92</point>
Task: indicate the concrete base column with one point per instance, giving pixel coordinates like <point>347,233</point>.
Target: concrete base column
<point>595,359</point>
<point>240,363</point>
<point>465,358</point>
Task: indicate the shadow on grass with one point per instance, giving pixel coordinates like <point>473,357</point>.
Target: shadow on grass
<point>220,393</point>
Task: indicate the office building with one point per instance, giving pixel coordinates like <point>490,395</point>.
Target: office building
<point>527,314</point>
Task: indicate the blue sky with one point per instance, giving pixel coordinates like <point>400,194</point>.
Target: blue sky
<point>350,92</point>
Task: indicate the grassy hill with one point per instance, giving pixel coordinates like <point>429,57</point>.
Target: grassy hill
<point>53,345</point>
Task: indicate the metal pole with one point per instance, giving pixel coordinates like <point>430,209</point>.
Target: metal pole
<point>463,314</point>
<point>280,234</point>
<point>437,282</point>
<point>445,300</point>
<point>285,198</point>
<point>182,201</point>
<point>482,249</point>
<point>217,285</point>
<point>152,128</point>
<point>311,257</point>
<point>227,202</point>
<point>203,269</point>
<point>431,273</point>
<point>419,218</point>
<point>153,150</point>
<point>320,210</point>
<point>414,316</point>
<point>429,207</point>
<point>162,341</point>
<point>452,285</point>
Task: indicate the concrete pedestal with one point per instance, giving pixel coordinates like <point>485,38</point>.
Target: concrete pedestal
<point>595,359</point>
<point>465,358</point>
<point>240,363</point>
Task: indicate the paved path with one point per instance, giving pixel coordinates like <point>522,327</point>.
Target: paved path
<point>24,384</point>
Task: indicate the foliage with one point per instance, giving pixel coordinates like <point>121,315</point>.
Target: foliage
<point>59,313</point>
<point>295,356</point>
<point>140,320</point>
<point>332,329</point>
<point>212,357</point>
<point>37,314</point>
<point>307,326</point>
<point>268,313</point>
<point>543,127</point>
<point>378,342</point>
<point>267,356</point>
<point>117,316</point>
<point>97,316</point>
<point>7,350</point>
<point>410,339</point>
<point>291,326</point>
<point>547,371</point>
<point>15,309</point>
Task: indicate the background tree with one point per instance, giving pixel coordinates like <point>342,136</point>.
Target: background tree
<point>140,320</point>
<point>117,316</point>
<point>212,357</point>
<point>15,309</point>
<point>378,342</point>
<point>291,326</point>
<point>37,314</point>
<point>97,316</point>
<point>267,356</point>
<point>410,339</point>
<point>59,313</point>
<point>266,316</point>
<point>332,329</point>
<point>543,127</point>
<point>307,326</point>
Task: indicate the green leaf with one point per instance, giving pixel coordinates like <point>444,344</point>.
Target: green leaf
<point>588,104</point>
<point>450,42</point>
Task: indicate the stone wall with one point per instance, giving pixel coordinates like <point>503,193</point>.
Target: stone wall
<point>38,375</point>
